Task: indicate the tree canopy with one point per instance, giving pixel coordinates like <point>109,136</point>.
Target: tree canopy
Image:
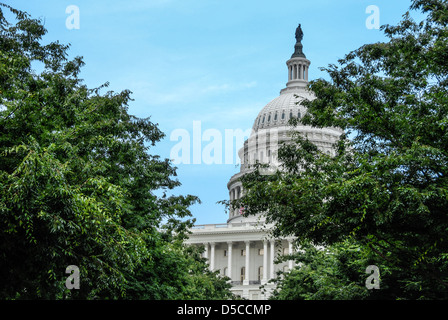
<point>385,191</point>
<point>78,185</point>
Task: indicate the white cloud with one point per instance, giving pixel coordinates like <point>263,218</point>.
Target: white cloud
<point>162,95</point>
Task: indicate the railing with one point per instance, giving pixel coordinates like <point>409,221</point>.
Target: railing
<point>239,283</point>
<point>227,225</point>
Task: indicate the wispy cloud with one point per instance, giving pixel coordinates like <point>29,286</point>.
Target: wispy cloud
<point>186,93</point>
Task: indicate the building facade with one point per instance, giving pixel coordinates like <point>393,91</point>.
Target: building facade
<point>243,248</point>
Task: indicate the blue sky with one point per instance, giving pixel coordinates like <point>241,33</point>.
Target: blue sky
<point>213,61</point>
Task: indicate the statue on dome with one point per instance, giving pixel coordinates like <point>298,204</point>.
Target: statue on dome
<point>299,33</point>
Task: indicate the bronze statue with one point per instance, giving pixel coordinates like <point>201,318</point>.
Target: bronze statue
<point>298,46</point>
<point>299,34</point>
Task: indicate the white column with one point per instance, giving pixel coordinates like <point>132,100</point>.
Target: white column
<point>272,254</point>
<point>247,266</point>
<point>212,256</point>
<point>206,250</point>
<point>229,259</point>
<point>233,198</point>
<point>265,262</point>
<point>290,264</point>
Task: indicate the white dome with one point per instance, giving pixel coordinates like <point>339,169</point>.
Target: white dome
<point>271,127</point>
<point>278,112</point>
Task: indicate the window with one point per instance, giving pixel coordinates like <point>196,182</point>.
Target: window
<point>290,114</point>
<point>243,274</point>
<point>269,118</point>
<point>283,115</point>
<point>243,252</point>
<point>225,253</point>
<point>299,115</point>
<point>260,252</point>
<point>260,273</point>
<point>275,117</point>
<point>264,116</point>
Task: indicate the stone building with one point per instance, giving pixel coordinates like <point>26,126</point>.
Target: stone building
<point>242,248</point>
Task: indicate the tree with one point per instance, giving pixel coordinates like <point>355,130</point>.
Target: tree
<point>386,189</point>
<point>332,273</point>
<point>78,182</point>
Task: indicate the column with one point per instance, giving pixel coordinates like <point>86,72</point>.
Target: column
<point>247,266</point>
<point>265,262</point>
<point>206,250</point>
<point>229,259</point>
<point>290,263</point>
<point>212,256</point>
<point>272,254</point>
<point>232,198</point>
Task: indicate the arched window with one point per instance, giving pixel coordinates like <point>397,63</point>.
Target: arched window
<point>264,116</point>
<point>275,117</point>
<point>283,115</point>
<point>269,118</point>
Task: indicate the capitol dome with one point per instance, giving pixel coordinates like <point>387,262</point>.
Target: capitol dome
<point>280,110</point>
<point>271,128</point>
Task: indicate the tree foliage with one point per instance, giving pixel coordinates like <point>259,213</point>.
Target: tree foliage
<point>386,189</point>
<point>78,182</point>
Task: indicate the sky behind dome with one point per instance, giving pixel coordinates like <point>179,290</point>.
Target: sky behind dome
<point>205,63</point>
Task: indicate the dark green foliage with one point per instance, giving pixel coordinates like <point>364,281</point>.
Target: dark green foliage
<point>386,189</point>
<point>77,186</point>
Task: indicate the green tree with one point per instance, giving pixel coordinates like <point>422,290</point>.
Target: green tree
<point>331,273</point>
<point>386,188</point>
<point>78,182</point>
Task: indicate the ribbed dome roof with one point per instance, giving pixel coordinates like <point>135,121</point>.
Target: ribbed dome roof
<point>279,111</point>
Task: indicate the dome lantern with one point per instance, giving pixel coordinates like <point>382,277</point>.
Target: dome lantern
<point>298,65</point>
